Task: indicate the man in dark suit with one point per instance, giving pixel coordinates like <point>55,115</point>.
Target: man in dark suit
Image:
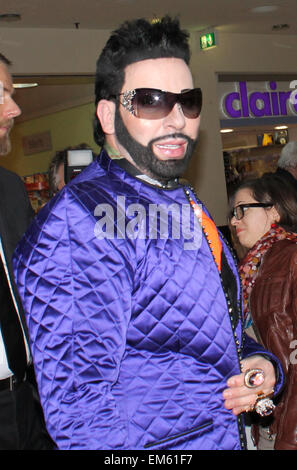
<point>21,420</point>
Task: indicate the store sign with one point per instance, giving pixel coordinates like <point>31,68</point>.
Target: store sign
<point>259,99</point>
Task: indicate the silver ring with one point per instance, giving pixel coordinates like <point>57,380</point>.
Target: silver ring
<point>254,377</point>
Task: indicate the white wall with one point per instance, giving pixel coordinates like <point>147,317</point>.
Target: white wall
<point>50,51</point>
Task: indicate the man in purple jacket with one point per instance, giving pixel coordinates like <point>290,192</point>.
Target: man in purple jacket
<point>133,301</point>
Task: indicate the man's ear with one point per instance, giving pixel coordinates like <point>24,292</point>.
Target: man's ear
<point>106,116</point>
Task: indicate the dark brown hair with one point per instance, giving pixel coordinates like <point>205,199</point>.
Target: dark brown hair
<point>4,59</point>
<point>272,189</point>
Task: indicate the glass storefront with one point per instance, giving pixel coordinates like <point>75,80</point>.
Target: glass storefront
<point>258,117</point>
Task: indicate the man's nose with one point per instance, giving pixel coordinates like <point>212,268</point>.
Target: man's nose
<point>176,117</point>
<point>12,110</point>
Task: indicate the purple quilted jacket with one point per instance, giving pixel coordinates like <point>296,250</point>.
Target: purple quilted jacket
<point>131,336</point>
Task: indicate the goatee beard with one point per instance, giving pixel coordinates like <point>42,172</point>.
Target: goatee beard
<point>144,157</point>
<point>5,145</point>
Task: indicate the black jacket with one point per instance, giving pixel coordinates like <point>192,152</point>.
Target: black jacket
<point>16,214</point>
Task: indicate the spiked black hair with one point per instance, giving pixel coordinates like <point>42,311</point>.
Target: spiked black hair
<point>135,41</point>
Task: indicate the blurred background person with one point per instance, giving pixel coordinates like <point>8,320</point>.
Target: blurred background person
<point>264,214</point>
<point>56,170</point>
<point>21,419</point>
<point>287,164</point>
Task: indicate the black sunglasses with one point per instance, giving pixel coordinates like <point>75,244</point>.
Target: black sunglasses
<point>150,103</point>
<point>238,211</point>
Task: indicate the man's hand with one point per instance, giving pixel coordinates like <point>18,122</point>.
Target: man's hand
<point>240,398</point>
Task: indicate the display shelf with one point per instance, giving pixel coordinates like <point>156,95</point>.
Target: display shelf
<point>245,147</point>
<point>37,187</point>
<point>249,162</point>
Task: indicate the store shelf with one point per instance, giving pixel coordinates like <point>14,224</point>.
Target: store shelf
<point>36,186</point>
<point>38,189</point>
<point>246,147</point>
<point>249,162</point>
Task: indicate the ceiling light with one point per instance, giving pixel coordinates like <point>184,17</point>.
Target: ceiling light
<point>226,131</point>
<point>264,9</point>
<point>24,85</point>
<point>279,128</point>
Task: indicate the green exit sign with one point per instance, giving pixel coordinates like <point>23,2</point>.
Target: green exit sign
<point>207,41</point>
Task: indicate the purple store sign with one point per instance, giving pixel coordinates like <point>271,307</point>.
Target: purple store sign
<point>255,104</point>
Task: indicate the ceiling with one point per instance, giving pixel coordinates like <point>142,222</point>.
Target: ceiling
<point>53,94</point>
<point>232,16</point>
<point>226,15</point>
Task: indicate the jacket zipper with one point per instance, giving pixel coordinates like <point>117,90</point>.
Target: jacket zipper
<point>177,436</point>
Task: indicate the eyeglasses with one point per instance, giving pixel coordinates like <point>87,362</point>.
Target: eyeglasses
<point>150,103</point>
<point>239,211</point>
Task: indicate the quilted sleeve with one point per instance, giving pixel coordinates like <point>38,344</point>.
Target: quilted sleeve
<point>76,292</point>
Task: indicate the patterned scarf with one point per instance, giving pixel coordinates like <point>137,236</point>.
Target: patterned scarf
<point>249,265</point>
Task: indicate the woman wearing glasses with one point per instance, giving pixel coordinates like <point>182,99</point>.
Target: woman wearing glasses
<point>264,215</point>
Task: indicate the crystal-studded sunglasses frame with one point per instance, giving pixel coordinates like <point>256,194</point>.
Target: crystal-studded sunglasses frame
<point>128,96</point>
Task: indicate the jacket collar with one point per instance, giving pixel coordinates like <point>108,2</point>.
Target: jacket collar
<point>135,172</point>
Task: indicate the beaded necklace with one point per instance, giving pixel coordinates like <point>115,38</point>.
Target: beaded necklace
<point>212,237</point>
<point>209,229</point>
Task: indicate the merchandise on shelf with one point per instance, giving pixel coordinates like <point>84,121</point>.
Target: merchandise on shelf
<point>38,189</point>
<point>242,163</point>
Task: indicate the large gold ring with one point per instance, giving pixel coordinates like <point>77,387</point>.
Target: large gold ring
<point>264,406</point>
<point>254,377</point>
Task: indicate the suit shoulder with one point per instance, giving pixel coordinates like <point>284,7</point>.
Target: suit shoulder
<point>8,175</point>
